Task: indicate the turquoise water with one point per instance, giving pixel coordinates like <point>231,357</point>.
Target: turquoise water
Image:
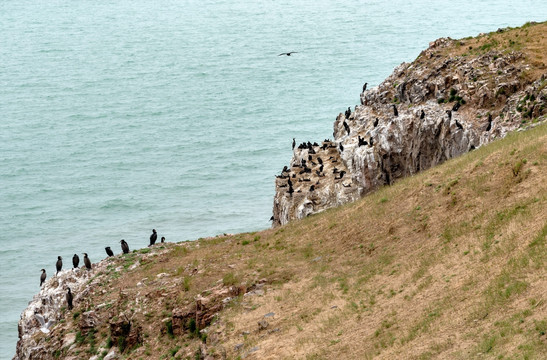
<point>117,117</point>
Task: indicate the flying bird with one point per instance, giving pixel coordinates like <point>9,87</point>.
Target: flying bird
<point>288,53</point>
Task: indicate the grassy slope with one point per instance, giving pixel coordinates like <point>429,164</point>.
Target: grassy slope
<point>448,263</point>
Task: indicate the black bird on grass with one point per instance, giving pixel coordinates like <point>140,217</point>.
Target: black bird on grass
<point>125,247</point>
<point>109,251</point>
<point>288,53</point>
<point>69,298</point>
<point>43,277</point>
<point>75,261</point>
<point>87,262</point>
<point>59,264</point>
<point>153,237</point>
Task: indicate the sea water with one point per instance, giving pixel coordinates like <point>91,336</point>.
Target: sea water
<point>117,117</point>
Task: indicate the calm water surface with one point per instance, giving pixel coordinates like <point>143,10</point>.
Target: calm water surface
<point>117,117</point>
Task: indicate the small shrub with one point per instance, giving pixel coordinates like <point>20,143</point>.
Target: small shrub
<point>169,325</point>
<point>229,279</point>
<point>109,342</point>
<point>245,242</point>
<point>174,350</point>
<point>517,168</point>
<point>186,283</point>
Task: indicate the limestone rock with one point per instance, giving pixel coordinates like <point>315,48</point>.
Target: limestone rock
<point>445,108</point>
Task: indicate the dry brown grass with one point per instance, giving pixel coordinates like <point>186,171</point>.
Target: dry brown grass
<point>447,264</point>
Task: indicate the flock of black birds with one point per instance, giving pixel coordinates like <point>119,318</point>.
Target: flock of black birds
<point>87,263</point>
<point>305,169</point>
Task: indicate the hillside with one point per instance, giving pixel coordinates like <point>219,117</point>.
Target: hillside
<point>448,263</point>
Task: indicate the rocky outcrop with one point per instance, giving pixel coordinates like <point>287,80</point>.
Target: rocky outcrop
<point>425,112</point>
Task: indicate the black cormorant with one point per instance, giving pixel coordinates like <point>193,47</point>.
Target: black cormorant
<point>43,277</point>
<point>75,261</point>
<point>125,247</point>
<point>489,127</point>
<point>87,262</point>
<point>153,237</point>
<point>69,298</point>
<point>109,251</point>
<point>395,112</point>
<point>59,264</point>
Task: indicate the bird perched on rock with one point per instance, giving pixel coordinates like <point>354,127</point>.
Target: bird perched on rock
<point>125,247</point>
<point>43,277</point>
<point>69,298</point>
<point>163,239</point>
<point>346,126</point>
<point>153,237</point>
<point>341,147</point>
<point>489,127</point>
<point>459,125</point>
<point>449,113</point>
<point>109,251</point>
<point>422,115</point>
<point>395,112</point>
<point>376,122</point>
<point>456,106</point>
<point>348,112</point>
<point>75,261</point>
<point>293,143</point>
<point>59,264</point>
<point>365,87</point>
<point>87,262</point>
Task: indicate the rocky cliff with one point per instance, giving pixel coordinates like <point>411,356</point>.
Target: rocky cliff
<point>455,97</point>
<point>357,282</point>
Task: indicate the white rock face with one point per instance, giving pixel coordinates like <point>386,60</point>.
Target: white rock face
<point>48,305</point>
<point>445,108</point>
